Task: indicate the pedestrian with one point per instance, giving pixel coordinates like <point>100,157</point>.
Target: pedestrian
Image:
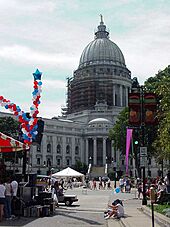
<point>94,184</point>
<point>116,209</point>
<point>14,185</point>
<point>8,197</point>
<point>139,187</point>
<point>2,199</point>
<point>167,181</point>
<point>108,184</point>
<point>121,184</point>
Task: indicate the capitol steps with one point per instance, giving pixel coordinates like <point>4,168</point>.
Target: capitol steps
<point>97,171</point>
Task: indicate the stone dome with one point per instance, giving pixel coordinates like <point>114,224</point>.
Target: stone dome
<point>99,120</point>
<point>102,50</point>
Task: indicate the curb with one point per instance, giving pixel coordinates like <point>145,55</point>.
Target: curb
<point>85,209</point>
<point>159,218</point>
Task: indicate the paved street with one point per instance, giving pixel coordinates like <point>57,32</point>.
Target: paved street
<point>88,211</point>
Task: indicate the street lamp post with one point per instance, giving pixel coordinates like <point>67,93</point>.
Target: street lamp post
<point>144,200</point>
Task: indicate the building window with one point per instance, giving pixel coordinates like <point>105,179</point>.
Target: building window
<point>48,162</point>
<point>38,149</point>
<point>58,162</point>
<point>76,150</point>
<point>38,161</point>
<point>68,140</point>
<point>49,148</point>
<point>58,149</point>
<point>67,149</point>
<point>68,162</point>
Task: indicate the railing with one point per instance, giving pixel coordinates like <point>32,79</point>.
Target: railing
<point>89,169</point>
<point>106,168</point>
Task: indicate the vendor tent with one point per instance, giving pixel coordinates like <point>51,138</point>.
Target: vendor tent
<point>8,144</point>
<point>68,172</point>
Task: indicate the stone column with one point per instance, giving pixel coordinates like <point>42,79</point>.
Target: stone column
<point>44,149</point>
<point>64,152</point>
<point>126,93</point>
<point>33,157</point>
<point>114,87</point>
<point>95,151</point>
<point>54,150</point>
<point>83,150</point>
<point>87,151</point>
<point>73,151</point>
<point>104,151</point>
<point>121,95</point>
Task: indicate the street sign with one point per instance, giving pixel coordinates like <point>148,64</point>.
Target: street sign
<point>143,156</point>
<point>143,161</point>
<point>143,152</point>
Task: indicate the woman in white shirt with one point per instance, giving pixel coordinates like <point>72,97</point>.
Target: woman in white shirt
<point>117,209</point>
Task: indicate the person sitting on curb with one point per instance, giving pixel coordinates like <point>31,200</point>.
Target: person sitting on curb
<point>115,210</point>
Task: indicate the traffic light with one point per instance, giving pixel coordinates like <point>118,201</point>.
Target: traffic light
<point>40,131</point>
<point>136,142</point>
<point>136,137</point>
<point>134,109</point>
<point>150,104</point>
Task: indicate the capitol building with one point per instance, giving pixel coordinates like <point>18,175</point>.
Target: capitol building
<point>97,92</point>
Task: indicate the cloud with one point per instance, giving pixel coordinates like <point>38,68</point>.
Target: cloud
<point>25,55</point>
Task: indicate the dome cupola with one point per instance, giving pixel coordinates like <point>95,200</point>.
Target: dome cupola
<point>101,50</point>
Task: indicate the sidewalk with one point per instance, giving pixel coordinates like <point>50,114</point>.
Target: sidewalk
<point>137,215</point>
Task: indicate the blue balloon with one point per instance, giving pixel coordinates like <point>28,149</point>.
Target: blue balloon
<point>117,190</point>
<point>39,83</point>
<point>6,106</point>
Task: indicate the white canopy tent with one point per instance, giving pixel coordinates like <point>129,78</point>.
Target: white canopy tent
<point>68,172</point>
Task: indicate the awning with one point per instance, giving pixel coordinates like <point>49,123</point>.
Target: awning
<point>8,144</point>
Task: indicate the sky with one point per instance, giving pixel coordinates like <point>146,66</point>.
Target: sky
<point>51,35</point>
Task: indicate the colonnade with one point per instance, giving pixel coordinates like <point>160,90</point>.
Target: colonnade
<point>92,151</point>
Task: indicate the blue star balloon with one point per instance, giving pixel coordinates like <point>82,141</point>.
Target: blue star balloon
<point>37,75</point>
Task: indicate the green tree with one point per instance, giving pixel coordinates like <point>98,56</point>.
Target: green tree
<point>160,85</point>
<point>9,126</point>
<point>118,133</point>
<point>81,167</point>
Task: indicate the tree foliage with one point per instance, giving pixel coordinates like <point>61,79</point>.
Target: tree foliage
<point>157,137</point>
<point>160,84</point>
<point>9,126</point>
<point>118,133</point>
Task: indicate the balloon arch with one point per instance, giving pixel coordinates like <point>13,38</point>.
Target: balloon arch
<point>28,120</point>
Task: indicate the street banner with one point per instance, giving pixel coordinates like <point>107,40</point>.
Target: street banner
<point>128,141</point>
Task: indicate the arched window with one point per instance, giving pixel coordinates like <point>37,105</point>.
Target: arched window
<point>58,161</point>
<point>49,162</point>
<point>49,148</point>
<point>38,148</point>
<point>58,149</point>
<point>67,149</point>
<point>77,150</point>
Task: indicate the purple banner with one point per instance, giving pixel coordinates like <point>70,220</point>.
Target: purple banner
<point>128,140</point>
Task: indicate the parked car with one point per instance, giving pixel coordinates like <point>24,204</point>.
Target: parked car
<point>67,199</point>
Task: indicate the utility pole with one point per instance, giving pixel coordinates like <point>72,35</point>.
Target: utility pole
<point>142,112</point>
